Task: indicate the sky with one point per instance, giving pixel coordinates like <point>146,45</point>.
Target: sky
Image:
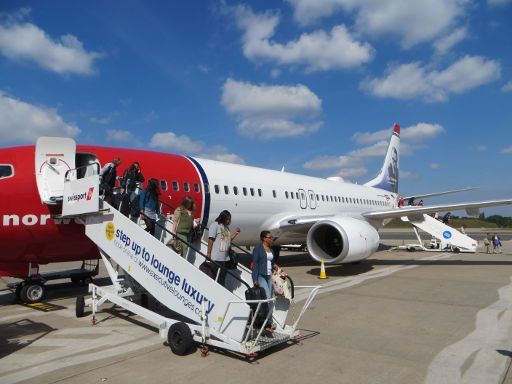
<point>311,86</point>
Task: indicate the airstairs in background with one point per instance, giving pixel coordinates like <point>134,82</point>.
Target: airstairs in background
<point>444,237</point>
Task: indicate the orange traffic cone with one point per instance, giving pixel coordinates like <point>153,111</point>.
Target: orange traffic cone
<point>323,275</point>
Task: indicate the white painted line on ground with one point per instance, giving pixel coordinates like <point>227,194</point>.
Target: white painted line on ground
<point>351,281</point>
<point>475,358</point>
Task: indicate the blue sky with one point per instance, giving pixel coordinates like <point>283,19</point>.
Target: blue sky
<point>314,86</point>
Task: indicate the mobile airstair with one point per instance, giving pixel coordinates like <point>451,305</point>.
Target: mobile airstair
<point>140,264</point>
<point>443,237</point>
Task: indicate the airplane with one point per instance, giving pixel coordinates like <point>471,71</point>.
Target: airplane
<point>339,221</point>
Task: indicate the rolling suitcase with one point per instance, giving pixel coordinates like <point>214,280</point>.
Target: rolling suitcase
<point>257,293</point>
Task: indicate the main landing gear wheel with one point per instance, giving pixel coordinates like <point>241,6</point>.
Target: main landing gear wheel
<point>32,292</point>
<point>180,339</point>
<point>79,306</point>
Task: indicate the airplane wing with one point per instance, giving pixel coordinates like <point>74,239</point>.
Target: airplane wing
<point>438,193</point>
<point>408,211</point>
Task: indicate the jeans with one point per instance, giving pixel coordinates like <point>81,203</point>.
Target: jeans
<point>268,286</point>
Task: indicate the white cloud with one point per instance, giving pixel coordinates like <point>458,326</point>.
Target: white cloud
<point>413,134</point>
<point>120,136</point>
<point>375,150</point>
<point>412,139</point>
<point>412,80</point>
<point>412,22</point>
<point>507,150</point>
<point>507,87</point>
<point>220,153</point>
<point>435,166</point>
<point>169,141</point>
<point>350,173</point>
<point>328,162</point>
<point>266,111</point>
<point>444,44</point>
<point>24,122</point>
<point>316,51</point>
<point>25,41</point>
<point>101,120</point>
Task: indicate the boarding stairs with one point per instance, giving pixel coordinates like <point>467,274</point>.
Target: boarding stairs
<point>213,314</point>
<point>444,237</point>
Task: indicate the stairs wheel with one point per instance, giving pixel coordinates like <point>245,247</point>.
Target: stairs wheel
<point>79,306</point>
<point>180,338</point>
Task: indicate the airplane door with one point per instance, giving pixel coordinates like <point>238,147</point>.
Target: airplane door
<point>312,199</point>
<point>303,199</point>
<point>53,158</point>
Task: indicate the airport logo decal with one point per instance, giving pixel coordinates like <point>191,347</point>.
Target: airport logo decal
<point>447,234</point>
<point>109,230</point>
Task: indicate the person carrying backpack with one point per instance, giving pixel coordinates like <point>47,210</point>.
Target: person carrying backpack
<point>108,176</point>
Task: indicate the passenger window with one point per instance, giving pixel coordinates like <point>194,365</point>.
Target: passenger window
<point>186,187</point>
<point>244,190</point>
<point>297,195</point>
<point>206,188</point>
<point>317,197</point>
<point>196,187</point>
<point>175,186</point>
<point>274,193</point>
<point>259,192</point>
<point>323,198</point>
<point>286,194</point>
<point>303,196</point>
<point>226,190</point>
<point>163,185</point>
<point>6,171</point>
<point>252,191</point>
<point>235,190</point>
<point>217,190</point>
<point>291,194</point>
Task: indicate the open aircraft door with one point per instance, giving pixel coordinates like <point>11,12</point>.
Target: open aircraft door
<point>53,158</point>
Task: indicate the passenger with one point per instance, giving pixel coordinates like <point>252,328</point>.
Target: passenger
<point>463,229</point>
<point>420,203</point>
<point>496,242</point>
<point>446,218</point>
<point>183,222</point>
<point>263,265</point>
<point>488,242</point>
<point>400,203</point>
<point>132,179</point>
<point>149,206</point>
<point>108,175</point>
<point>219,243</point>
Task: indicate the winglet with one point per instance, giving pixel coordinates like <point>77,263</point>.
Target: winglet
<point>396,129</point>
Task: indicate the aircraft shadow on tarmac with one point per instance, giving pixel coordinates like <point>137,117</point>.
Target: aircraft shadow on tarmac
<point>20,334</point>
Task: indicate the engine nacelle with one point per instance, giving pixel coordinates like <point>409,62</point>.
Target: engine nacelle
<point>342,240</point>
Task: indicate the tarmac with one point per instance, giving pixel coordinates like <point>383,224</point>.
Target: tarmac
<point>397,317</point>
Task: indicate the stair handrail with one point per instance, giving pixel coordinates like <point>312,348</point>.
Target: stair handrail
<point>162,227</point>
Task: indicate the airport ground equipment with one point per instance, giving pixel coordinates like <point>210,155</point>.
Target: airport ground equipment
<point>204,311</point>
<point>443,237</point>
<point>32,289</point>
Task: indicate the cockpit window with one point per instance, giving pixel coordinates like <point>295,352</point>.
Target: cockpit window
<point>6,170</point>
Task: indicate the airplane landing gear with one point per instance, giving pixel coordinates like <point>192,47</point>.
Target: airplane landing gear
<point>31,291</point>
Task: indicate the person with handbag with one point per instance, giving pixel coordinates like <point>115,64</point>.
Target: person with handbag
<point>149,206</point>
<point>183,224</point>
<point>263,266</point>
<point>219,243</point>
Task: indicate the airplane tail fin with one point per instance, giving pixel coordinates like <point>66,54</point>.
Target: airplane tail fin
<point>387,178</point>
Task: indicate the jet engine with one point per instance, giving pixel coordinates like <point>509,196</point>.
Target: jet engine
<point>342,240</point>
